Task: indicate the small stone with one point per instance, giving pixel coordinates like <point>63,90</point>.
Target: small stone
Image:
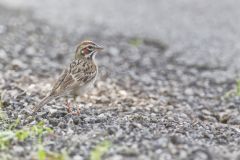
<point>54,121</point>
<point>62,125</point>
<point>42,114</point>
<point>52,111</point>
<point>90,120</point>
<point>30,119</point>
<point>206,112</point>
<point>223,117</point>
<point>18,64</point>
<point>25,112</point>
<point>58,113</point>
<point>123,92</point>
<point>30,51</point>
<point>3,54</point>
<point>234,120</point>
<point>102,116</point>
<point>200,154</point>
<point>188,91</point>
<point>18,149</point>
<point>38,118</point>
<point>111,130</point>
<point>2,29</point>
<point>113,51</point>
<point>76,120</point>
<point>176,140</point>
<point>232,106</point>
<point>77,157</point>
<point>128,151</point>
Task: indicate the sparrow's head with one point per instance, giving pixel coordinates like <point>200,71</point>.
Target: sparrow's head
<point>87,49</point>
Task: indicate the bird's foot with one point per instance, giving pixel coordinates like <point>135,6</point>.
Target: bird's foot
<point>77,112</point>
<point>69,109</point>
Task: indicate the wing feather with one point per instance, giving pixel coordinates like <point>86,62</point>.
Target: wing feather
<point>79,73</point>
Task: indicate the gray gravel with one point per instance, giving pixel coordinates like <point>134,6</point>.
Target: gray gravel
<point>155,98</point>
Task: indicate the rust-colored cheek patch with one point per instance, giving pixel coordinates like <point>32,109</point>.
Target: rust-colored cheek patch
<point>85,51</point>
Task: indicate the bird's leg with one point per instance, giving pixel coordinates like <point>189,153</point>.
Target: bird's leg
<point>78,110</point>
<point>68,106</point>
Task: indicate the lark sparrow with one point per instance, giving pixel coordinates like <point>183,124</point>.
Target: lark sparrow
<point>78,76</point>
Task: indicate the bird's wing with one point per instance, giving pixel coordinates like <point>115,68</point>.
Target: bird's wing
<point>78,73</point>
<point>60,80</point>
<point>83,71</point>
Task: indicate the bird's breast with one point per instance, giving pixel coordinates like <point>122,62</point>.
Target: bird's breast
<point>80,90</point>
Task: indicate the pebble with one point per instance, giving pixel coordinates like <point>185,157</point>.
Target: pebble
<point>234,120</point>
<point>2,29</point>
<point>57,114</point>
<point>76,120</point>
<point>3,55</point>
<point>54,121</point>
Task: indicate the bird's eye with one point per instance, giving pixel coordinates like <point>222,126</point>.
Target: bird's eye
<point>90,48</point>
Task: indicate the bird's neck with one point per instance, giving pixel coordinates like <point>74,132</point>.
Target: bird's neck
<point>90,59</point>
<point>78,56</point>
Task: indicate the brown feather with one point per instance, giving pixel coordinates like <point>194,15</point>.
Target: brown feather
<point>43,102</point>
<point>78,74</point>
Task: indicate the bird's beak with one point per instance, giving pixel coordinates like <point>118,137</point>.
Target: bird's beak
<point>99,48</point>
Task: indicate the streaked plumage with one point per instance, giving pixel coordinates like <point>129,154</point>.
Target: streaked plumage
<point>78,76</point>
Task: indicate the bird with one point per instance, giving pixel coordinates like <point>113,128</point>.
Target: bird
<point>78,77</point>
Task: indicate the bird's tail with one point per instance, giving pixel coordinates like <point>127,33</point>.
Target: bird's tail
<point>43,102</point>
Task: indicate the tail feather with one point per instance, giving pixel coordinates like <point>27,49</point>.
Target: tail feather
<point>43,102</point>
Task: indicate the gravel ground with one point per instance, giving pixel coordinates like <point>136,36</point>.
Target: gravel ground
<point>148,102</point>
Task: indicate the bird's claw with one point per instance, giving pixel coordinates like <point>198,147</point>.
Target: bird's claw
<point>69,109</point>
<point>77,112</point>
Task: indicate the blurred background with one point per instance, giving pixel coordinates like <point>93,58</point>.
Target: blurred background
<point>168,86</point>
<point>207,31</point>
